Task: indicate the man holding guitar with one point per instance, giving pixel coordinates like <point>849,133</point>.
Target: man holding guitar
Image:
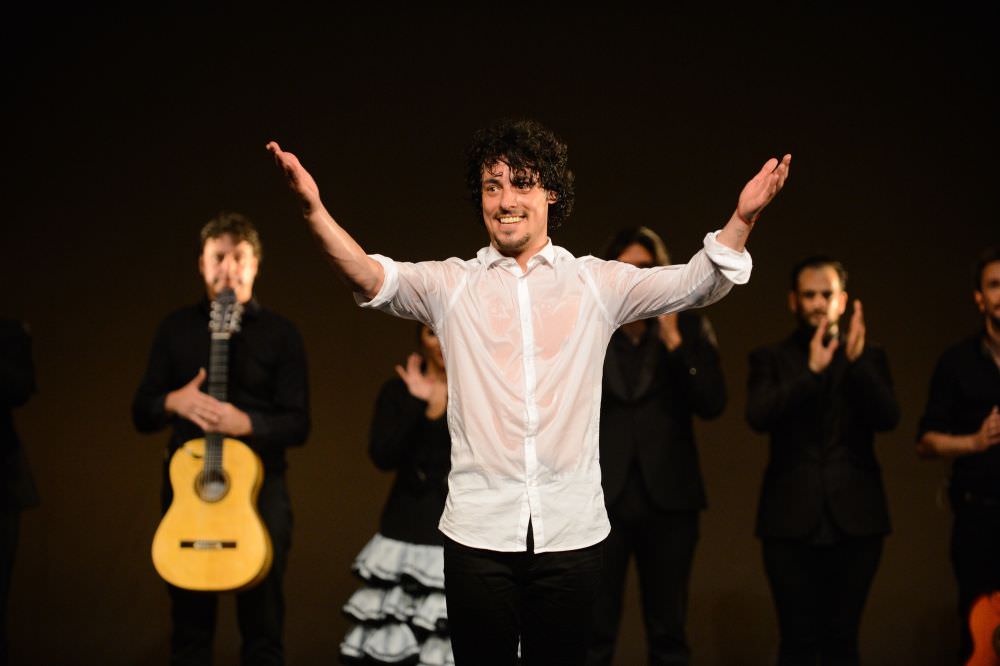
<point>267,408</point>
<point>962,422</point>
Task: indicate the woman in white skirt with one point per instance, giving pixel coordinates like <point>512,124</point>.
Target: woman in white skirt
<point>399,612</point>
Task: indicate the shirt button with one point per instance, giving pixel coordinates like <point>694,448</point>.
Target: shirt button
<point>693,371</point>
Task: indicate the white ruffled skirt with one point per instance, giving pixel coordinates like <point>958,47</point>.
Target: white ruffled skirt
<point>399,613</point>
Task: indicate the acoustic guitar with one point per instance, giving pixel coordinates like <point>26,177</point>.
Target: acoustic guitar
<point>984,623</point>
<point>211,538</point>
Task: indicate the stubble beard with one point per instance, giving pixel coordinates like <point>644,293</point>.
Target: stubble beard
<point>512,245</point>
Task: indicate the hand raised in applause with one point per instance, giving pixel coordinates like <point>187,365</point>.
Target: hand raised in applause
<point>418,383</point>
<point>762,188</point>
<point>856,334</point>
<point>670,333</point>
<point>423,386</point>
<point>821,351</point>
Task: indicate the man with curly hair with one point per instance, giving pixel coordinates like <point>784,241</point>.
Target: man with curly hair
<point>524,326</point>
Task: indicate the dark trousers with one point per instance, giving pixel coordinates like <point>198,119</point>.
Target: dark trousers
<point>10,520</point>
<point>542,600</point>
<point>663,543</point>
<point>975,557</point>
<point>260,611</point>
<point>819,593</point>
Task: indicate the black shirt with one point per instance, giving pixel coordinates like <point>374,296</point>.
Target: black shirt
<point>964,388</point>
<point>267,379</point>
<point>419,449</point>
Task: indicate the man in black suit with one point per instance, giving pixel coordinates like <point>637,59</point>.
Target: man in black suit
<point>821,394</point>
<point>17,491</point>
<point>658,373</point>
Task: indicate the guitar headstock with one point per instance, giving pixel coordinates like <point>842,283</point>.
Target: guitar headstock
<point>224,319</point>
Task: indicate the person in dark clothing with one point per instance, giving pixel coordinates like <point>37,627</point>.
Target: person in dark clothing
<point>267,409</point>
<point>658,374</point>
<point>400,612</point>
<point>17,489</point>
<point>962,422</point>
<point>821,394</point>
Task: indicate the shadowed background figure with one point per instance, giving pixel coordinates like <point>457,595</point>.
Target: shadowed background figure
<point>822,394</point>
<point>17,488</point>
<point>658,374</point>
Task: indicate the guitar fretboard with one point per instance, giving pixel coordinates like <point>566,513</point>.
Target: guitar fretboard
<point>218,378</point>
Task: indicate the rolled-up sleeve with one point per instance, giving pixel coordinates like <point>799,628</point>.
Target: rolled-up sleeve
<point>417,291</point>
<point>390,285</point>
<point>735,266</point>
<point>631,293</point>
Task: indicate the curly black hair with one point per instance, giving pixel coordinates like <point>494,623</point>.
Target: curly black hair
<point>527,147</point>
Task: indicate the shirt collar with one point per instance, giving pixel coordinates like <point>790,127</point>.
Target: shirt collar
<point>490,256</point>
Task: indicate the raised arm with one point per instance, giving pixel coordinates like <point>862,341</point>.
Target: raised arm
<point>349,260</point>
<point>755,196</point>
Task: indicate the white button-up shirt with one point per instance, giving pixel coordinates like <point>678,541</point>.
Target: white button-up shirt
<point>524,352</point>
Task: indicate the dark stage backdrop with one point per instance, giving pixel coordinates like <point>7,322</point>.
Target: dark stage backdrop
<point>124,134</point>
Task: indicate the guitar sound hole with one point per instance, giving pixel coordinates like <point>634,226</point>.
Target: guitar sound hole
<point>211,486</point>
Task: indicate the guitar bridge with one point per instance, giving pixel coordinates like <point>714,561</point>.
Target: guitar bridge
<point>208,544</point>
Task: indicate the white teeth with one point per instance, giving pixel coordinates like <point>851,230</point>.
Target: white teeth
<point>510,219</point>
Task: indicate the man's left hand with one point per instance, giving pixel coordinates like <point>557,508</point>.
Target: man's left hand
<point>856,334</point>
<point>762,188</point>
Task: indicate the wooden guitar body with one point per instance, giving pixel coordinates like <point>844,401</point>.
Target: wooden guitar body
<point>212,538</point>
<point>984,624</point>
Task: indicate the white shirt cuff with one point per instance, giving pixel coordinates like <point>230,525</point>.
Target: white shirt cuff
<point>390,284</point>
<point>735,266</point>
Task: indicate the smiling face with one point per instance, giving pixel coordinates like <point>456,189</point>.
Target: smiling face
<point>515,211</point>
<point>225,264</point>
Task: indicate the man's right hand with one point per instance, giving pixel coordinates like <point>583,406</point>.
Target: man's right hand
<point>190,403</point>
<point>820,353</point>
<point>299,180</point>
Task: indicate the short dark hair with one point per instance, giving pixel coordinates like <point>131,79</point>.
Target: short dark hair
<point>986,257</point>
<point>526,146</point>
<point>236,225</point>
<point>643,236</point>
<point>818,261</point>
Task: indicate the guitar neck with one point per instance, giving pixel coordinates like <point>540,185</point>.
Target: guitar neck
<point>218,381</point>
<point>218,366</point>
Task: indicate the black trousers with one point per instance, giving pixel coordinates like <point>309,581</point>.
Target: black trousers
<point>542,601</point>
<point>819,593</point>
<point>663,543</point>
<point>260,611</point>
<point>975,557</point>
